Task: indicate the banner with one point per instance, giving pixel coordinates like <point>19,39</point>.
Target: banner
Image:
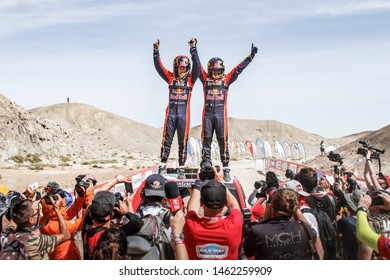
<point>255,151</point>
<point>301,149</point>
<point>268,150</point>
<point>279,150</point>
<point>249,145</point>
<point>259,143</point>
<point>295,151</point>
<point>287,150</point>
<point>242,148</point>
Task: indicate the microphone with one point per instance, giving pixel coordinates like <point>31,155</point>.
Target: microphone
<point>174,200</point>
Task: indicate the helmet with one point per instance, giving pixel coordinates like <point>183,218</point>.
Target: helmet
<point>215,64</point>
<point>181,60</point>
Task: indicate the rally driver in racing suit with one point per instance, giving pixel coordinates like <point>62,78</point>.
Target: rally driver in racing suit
<point>215,87</point>
<point>177,114</point>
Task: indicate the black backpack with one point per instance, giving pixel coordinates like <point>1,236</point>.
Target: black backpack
<point>322,208</point>
<point>155,231</point>
<point>16,247</point>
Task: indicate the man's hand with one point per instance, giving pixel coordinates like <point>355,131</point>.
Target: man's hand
<point>365,201</point>
<point>193,42</point>
<point>177,222</point>
<point>156,45</point>
<point>218,173</point>
<point>56,204</point>
<point>386,199</point>
<point>253,51</point>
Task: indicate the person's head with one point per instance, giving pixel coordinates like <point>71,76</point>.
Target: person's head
<point>102,206</point>
<point>384,181</point>
<point>25,213</point>
<point>271,179</point>
<point>153,193</point>
<point>295,186</point>
<point>112,245</point>
<point>181,67</point>
<point>289,174</point>
<point>213,196</point>
<point>308,179</point>
<point>285,202</point>
<point>92,180</point>
<point>326,182</point>
<point>352,199</point>
<point>215,68</point>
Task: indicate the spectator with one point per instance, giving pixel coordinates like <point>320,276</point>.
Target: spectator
<point>177,222</point>
<point>327,182</point>
<point>25,215</point>
<point>112,245</point>
<point>379,220</point>
<point>322,148</point>
<point>309,216</point>
<point>152,196</point>
<point>263,240</point>
<point>308,179</point>
<point>379,243</point>
<point>272,180</point>
<point>213,236</point>
<point>347,226</point>
<point>67,250</point>
<point>101,211</point>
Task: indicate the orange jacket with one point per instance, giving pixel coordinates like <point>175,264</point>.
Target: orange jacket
<point>67,250</point>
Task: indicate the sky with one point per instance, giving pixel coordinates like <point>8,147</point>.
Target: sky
<point>322,66</point>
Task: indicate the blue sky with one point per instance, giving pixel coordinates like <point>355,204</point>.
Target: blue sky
<point>322,66</point>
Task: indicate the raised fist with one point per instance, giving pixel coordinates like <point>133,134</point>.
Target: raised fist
<point>193,42</point>
<point>253,50</point>
<point>156,45</point>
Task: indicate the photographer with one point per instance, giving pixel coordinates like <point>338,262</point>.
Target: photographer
<point>369,173</point>
<point>278,222</point>
<point>374,240</point>
<point>101,211</point>
<point>25,215</point>
<point>68,250</point>
<point>378,213</point>
<point>213,230</point>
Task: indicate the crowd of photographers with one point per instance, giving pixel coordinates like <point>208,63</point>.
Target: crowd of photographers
<point>289,218</point>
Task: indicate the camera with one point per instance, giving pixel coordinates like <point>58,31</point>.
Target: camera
<point>260,184</point>
<point>206,171</point>
<point>335,158</point>
<point>81,185</point>
<point>375,153</point>
<point>118,198</point>
<point>375,198</point>
<point>52,189</point>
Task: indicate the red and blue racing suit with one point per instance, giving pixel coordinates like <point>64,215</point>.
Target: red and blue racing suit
<point>177,113</point>
<point>215,110</point>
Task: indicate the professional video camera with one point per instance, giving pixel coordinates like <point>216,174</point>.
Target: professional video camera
<point>375,153</point>
<point>207,171</point>
<point>52,189</point>
<point>335,157</point>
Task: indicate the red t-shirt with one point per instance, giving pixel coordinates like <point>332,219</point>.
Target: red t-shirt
<point>384,247</point>
<point>220,240</point>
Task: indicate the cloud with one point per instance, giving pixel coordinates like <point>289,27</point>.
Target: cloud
<point>21,15</point>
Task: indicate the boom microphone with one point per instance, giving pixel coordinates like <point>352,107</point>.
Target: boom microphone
<point>174,200</point>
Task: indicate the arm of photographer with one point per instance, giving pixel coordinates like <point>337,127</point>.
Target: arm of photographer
<point>369,174</point>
